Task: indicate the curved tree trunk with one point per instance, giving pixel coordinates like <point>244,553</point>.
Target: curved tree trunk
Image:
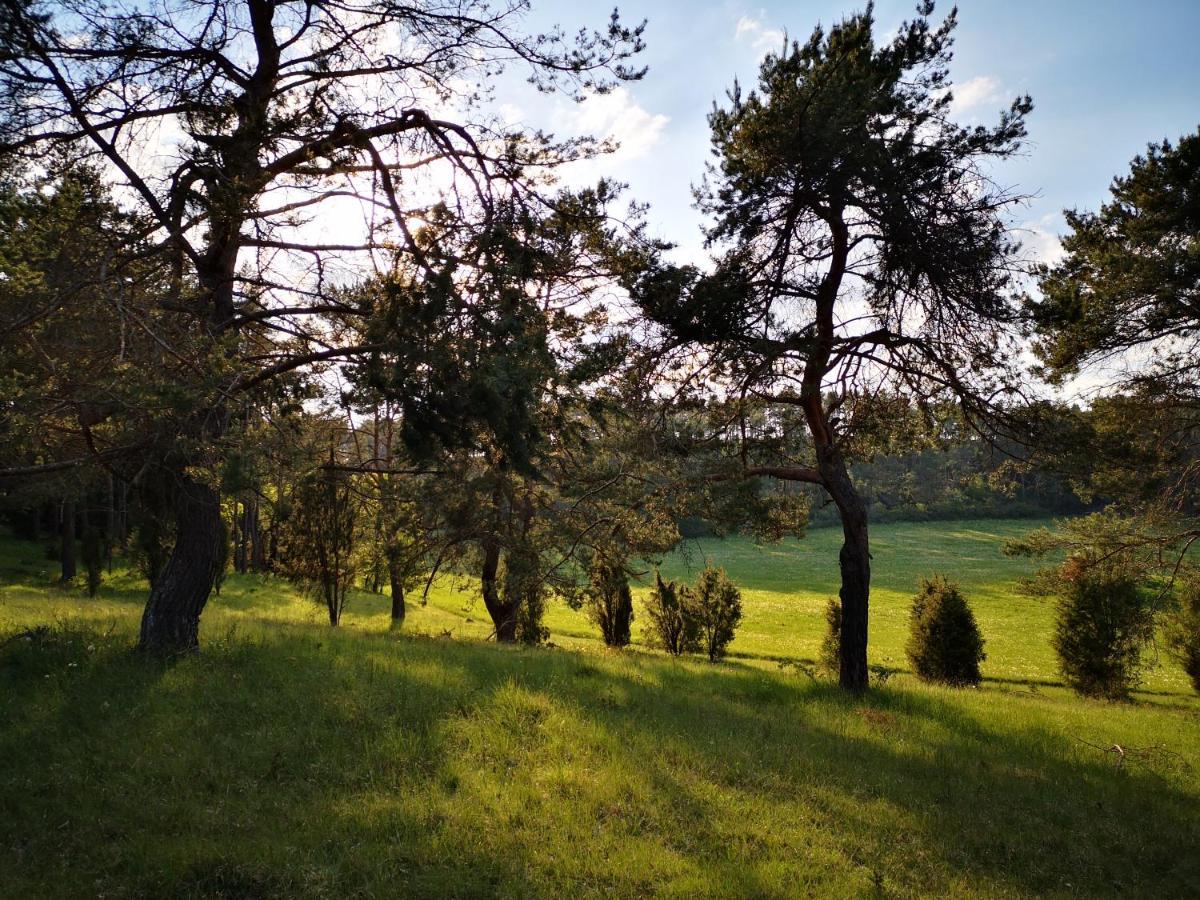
<point>171,621</point>
<point>504,615</point>
<point>855,563</point>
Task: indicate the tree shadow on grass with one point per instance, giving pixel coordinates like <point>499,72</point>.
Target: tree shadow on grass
<point>310,763</point>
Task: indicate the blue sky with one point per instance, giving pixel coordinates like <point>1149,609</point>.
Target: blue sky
<point>1106,77</point>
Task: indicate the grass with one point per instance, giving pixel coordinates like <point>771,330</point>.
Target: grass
<point>291,759</point>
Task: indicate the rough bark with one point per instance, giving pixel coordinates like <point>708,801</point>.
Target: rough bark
<point>398,608</point>
<point>503,615</point>
<point>171,621</point>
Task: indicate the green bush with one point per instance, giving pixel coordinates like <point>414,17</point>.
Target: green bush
<point>944,643</point>
<point>829,660</point>
<point>610,603</point>
<point>718,610</point>
<point>673,623</point>
<point>1183,630</point>
<point>92,551</point>
<point>1103,621</point>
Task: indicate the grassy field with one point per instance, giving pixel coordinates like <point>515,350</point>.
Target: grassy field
<point>291,759</point>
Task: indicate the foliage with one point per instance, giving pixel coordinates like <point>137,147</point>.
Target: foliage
<point>673,622</point>
<point>1102,625</point>
<point>717,607</point>
<point>1127,290</point>
<point>1183,629</point>
<point>609,602</point>
<point>323,534</point>
<point>1131,274</point>
<point>944,643</point>
<point>829,657</point>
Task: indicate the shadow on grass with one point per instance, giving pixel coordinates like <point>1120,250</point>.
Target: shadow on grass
<point>315,763</point>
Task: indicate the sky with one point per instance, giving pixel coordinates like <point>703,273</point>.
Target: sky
<point>1106,78</point>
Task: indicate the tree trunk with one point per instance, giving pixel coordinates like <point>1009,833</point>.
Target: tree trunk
<point>171,621</point>
<point>397,581</point>
<point>503,615</point>
<point>67,535</point>
<point>855,561</point>
<point>258,550</point>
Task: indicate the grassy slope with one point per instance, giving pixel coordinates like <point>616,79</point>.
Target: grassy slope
<point>292,759</point>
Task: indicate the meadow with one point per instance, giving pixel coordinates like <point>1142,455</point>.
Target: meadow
<point>292,759</point>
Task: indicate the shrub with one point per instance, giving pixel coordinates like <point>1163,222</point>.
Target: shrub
<point>1183,630</point>
<point>944,643</point>
<point>718,610</point>
<point>525,595</point>
<point>673,623</point>
<point>92,551</point>
<point>829,660</point>
<point>531,629</point>
<point>610,602</point>
<point>1102,623</point>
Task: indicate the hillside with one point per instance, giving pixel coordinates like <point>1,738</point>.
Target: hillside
<point>290,759</point>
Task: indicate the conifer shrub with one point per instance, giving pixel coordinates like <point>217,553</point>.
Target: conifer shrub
<point>531,629</point>
<point>1102,623</point>
<point>830,655</point>
<point>610,602</point>
<point>1183,630</point>
<point>525,595</point>
<point>944,643</point>
<point>717,607</point>
<point>92,551</point>
<point>674,625</point>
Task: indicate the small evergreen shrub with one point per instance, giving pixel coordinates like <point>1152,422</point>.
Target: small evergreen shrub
<point>673,622</point>
<point>944,643</point>
<point>526,595</point>
<point>1183,630</point>
<point>92,551</point>
<point>1102,623</point>
<point>718,610</point>
<point>531,629</point>
<point>829,660</point>
<point>610,603</point>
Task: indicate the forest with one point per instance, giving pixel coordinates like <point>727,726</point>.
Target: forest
<point>387,510</point>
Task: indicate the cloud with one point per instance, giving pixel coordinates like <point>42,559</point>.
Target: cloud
<point>618,118</point>
<point>758,36</point>
<point>982,90</point>
<point>1039,242</point>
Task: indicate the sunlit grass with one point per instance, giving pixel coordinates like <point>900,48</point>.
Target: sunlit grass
<point>292,759</point>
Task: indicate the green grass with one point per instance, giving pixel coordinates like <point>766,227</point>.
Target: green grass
<point>291,759</point>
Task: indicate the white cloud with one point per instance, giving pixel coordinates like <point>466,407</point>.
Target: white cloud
<point>1040,243</point>
<point>618,118</point>
<point>981,90</point>
<point>758,35</point>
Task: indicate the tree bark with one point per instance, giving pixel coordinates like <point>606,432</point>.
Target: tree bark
<point>503,614</point>
<point>67,540</point>
<point>855,563</point>
<point>397,581</point>
<point>171,621</point>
